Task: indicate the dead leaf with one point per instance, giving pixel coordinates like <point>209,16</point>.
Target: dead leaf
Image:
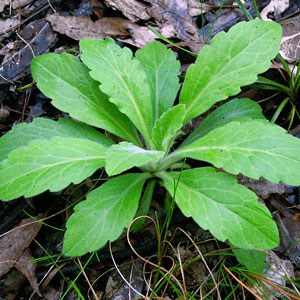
<point>275,8</point>
<point>28,268</point>
<point>175,12</point>
<point>132,9</point>
<point>15,242</point>
<point>83,27</point>
<point>123,30</point>
<point>176,15</point>
<point>262,187</point>
<point>290,43</point>
<point>4,3</point>
<point>7,25</point>
<point>42,38</point>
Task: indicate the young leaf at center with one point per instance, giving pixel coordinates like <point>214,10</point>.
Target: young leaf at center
<point>122,78</point>
<point>124,156</point>
<point>162,69</point>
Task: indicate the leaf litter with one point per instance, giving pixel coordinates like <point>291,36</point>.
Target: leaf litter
<point>127,21</point>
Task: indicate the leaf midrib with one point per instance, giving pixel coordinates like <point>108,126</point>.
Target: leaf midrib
<point>132,98</point>
<point>48,166</point>
<point>90,101</point>
<point>212,81</point>
<point>209,199</point>
<point>241,149</point>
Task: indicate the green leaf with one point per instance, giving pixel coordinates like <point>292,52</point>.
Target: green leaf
<point>228,210</point>
<point>254,148</point>
<point>253,259</point>
<point>64,79</point>
<point>233,110</point>
<point>104,214</point>
<point>53,165</point>
<point>124,156</point>
<point>167,126</point>
<point>122,78</point>
<point>162,70</point>
<point>232,60</point>
<point>44,129</point>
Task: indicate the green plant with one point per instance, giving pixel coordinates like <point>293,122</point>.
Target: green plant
<point>291,88</point>
<point>133,99</point>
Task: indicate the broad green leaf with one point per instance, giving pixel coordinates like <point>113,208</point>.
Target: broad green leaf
<point>162,70</point>
<point>254,148</point>
<point>49,165</point>
<point>167,126</point>
<point>218,203</point>
<point>64,79</point>
<point>233,110</point>
<point>122,78</point>
<point>124,156</point>
<point>45,129</point>
<point>232,60</point>
<point>104,214</point>
<point>253,259</point>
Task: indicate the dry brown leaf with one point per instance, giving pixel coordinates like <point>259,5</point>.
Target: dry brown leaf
<point>83,27</point>
<point>174,13</point>
<point>123,30</point>
<point>28,268</point>
<point>39,41</point>
<point>15,242</point>
<point>7,25</point>
<point>262,187</point>
<point>13,4</point>
<point>290,43</point>
<point>132,9</point>
<point>4,3</point>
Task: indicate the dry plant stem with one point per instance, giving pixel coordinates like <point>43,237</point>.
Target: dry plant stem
<point>243,284</point>
<point>181,267</point>
<point>277,287</point>
<point>27,44</point>
<point>47,278</point>
<point>120,273</point>
<point>148,282</point>
<point>87,280</point>
<point>145,260</point>
<point>204,261</point>
<point>49,2</point>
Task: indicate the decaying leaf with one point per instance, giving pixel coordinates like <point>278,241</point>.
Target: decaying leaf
<point>15,242</point>
<point>290,44</point>
<point>123,30</point>
<point>132,9</point>
<point>28,268</point>
<point>82,27</point>
<point>263,188</point>
<point>13,4</point>
<point>7,25</point>
<point>4,3</point>
<point>16,66</point>
<point>177,13</point>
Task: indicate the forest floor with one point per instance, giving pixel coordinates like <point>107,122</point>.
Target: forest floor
<point>31,230</point>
